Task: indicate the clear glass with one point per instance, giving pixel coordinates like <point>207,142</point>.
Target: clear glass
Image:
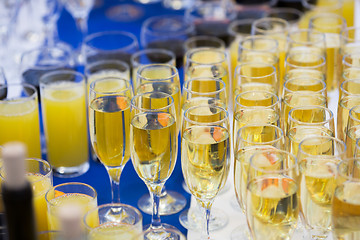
<point>291,15</point>
<point>304,85</point>
<point>167,32</point>
<point>318,157</point>
<point>349,40</point>
<point>105,69</point>
<point>109,126</point>
<point>306,40</point>
<point>178,4</point>
<point>331,25</point>
<point>349,87</point>
<point>39,174</point>
<point>204,41</point>
<point>172,234</point>
<point>350,73</point>
<point>63,94</point>
<point>305,61</point>
<point>350,60</point>
<point>352,130</point>
<point>50,18</point>
<point>344,106</point>
<point>113,221</point>
<point>80,194</point>
<point>268,168</point>
<point>154,141</point>
<point>210,139</point>
<point>110,45</point>
<point>255,76</point>
<point>19,117</point>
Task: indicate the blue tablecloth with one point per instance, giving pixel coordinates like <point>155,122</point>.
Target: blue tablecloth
<point>132,187</point>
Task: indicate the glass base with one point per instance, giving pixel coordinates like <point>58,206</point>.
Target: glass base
<point>170,203</point>
<point>119,214</point>
<point>192,219</point>
<point>70,172</point>
<point>241,233</point>
<point>161,233</point>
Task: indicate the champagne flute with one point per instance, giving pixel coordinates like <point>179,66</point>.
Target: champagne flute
<point>154,147</point>
<point>203,41</point>
<point>205,150</point>
<point>306,40</point>
<point>344,106</point>
<point>109,124</point>
<point>345,205</point>
<point>352,130</point>
<point>304,85</point>
<point>349,87</point>
<point>318,157</point>
<point>272,194</point>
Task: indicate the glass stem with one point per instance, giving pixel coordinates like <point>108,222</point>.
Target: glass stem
<point>205,235</point>
<point>114,174</point>
<point>49,29</point>
<point>155,194</point>
<point>82,25</point>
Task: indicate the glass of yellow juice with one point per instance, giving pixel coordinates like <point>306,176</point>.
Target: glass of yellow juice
<point>19,116</point>
<point>106,223</point>
<point>64,119</point>
<point>76,193</point>
<point>39,174</point>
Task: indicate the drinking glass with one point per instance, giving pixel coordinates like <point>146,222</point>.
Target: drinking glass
<point>154,146</point>
<point>19,117</point>
<point>306,40</point>
<point>150,56</point>
<point>272,194</point>
<point>255,76</point>
<point>50,17</point>
<point>345,203</point>
<point>238,30</point>
<point>305,61</point>
<point>167,32</point>
<point>205,148</point>
<point>105,222</point>
<point>344,106</point>
<point>351,60</point>
<point>277,29</point>
<point>79,194</point>
<point>39,174</point>
<point>349,87</point>
<point>110,45</point>
<point>349,40</point>
<point>203,41</point>
<point>318,157</point>
<point>207,71</point>
<point>291,15</point>
<point>161,78</point>
<point>352,130</point>
<point>305,85</point>
<point>109,125</point>
<point>350,73</point>
<point>37,62</point>
<point>64,118</point>
<point>172,234</point>
<point>331,25</point>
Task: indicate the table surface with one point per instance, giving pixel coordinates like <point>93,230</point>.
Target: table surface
<point>131,186</point>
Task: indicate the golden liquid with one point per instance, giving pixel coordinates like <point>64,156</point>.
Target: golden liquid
<point>344,107</point>
<point>85,202</point>
<point>333,61</point>
<point>154,146</point>
<point>352,135</point>
<point>272,207</point>
<point>348,12</point>
<point>107,73</point>
<point>257,98</point>
<point>64,113</point>
<point>234,55</point>
<point>304,60</point>
<point>346,211</point>
<point>304,84</point>
<point>205,160</point>
<point>19,121</point>
<point>317,186</point>
<point>40,185</point>
<point>252,86</point>
<point>109,123</point>
<point>304,73</point>
<point>114,231</point>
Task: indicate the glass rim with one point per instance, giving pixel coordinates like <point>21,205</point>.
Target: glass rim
<point>91,37</point>
<point>355,109</point>
<point>310,6</point>
<point>151,50</point>
<point>38,160</point>
<point>187,26</point>
<point>278,151</point>
<point>322,64</point>
<point>345,162</point>
<point>273,95</point>
<point>290,10</point>
<point>240,22</point>
<point>333,139</point>
<point>327,120</point>
<point>216,123</point>
<point>89,66</point>
<point>342,24</point>
<point>344,34</point>
<point>322,90</point>
<point>238,67</point>
<point>287,76</point>
<point>222,73</point>
<point>254,38</point>
<point>348,98</point>
<point>110,205</point>
<point>221,53</point>
<point>120,92</point>
<point>44,83</point>
<point>281,21</point>
<point>344,62</point>
<point>34,95</point>
<point>279,130</point>
<point>202,38</point>
<point>346,71</point>
<point>309,32</point>
<point>342,88</point>
<point>41,49</point>
<point>174,71</point>
<point>186,89</point>
<point>133,104</point>
<point>67,184</point>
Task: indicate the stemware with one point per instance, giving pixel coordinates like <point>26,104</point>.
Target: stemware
<point>50,17</point>
<point>203,41</point>
<point>205,149</point>
<point>109,124</point>
<point>306,40</point>
<point>154,146</point>
<point>344,106</point>
<point>349,87</point>
<point>352,130</point>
